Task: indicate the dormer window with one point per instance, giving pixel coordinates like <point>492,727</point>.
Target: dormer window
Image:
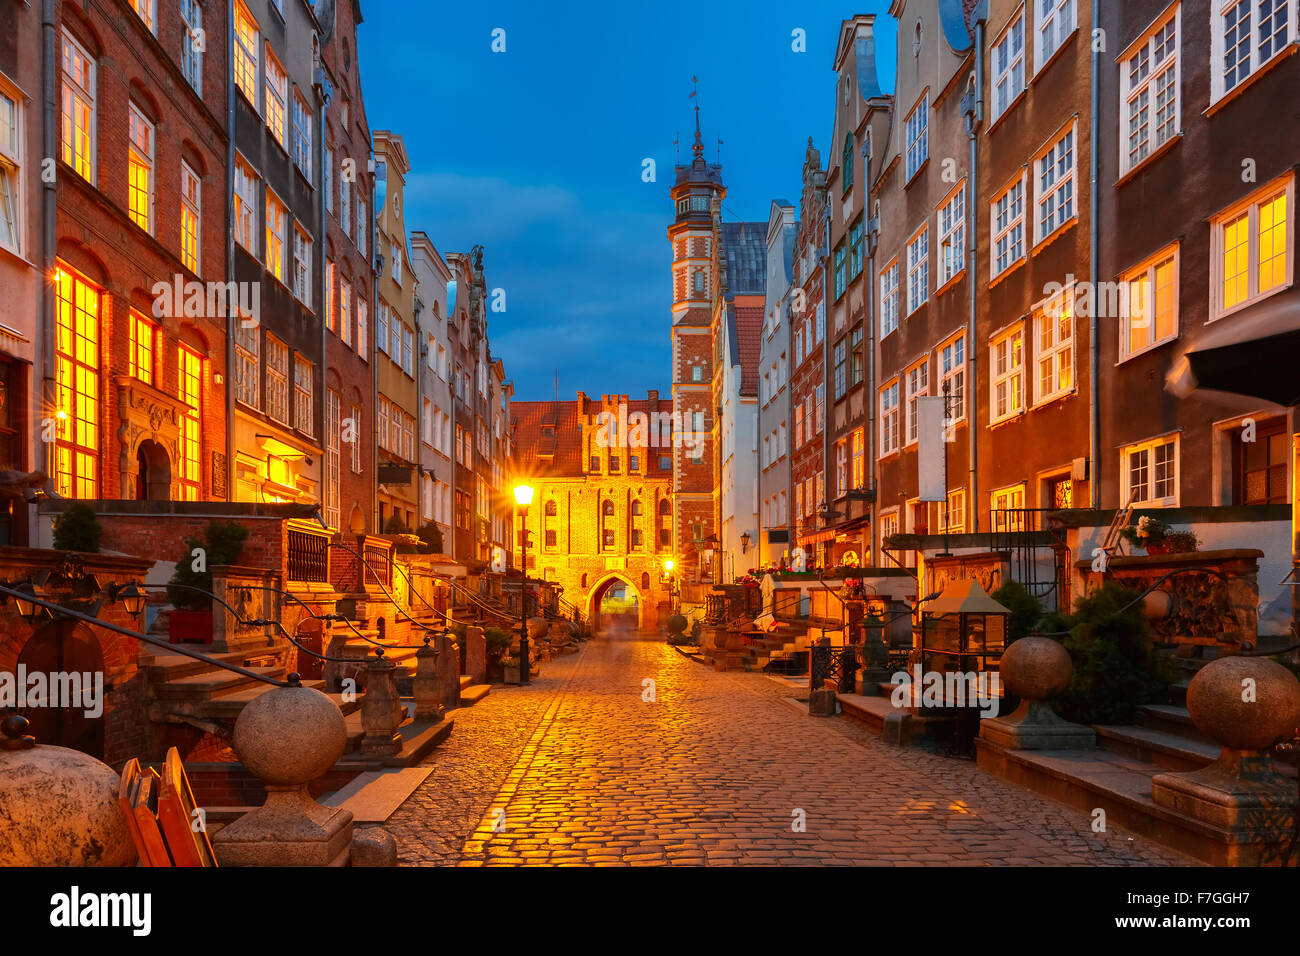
<point>699,204</point>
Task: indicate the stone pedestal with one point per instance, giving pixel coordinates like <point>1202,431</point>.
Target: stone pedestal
<point>1034,668</point>
<point>425,686</point>
<point>290,829</point>
<point>475,654</point>
<point>822,702</point>
<point>381,708</point>
<point>449,672</point>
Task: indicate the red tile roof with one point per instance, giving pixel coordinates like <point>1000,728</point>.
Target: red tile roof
<point>749,340</point>
<point>560,453</point>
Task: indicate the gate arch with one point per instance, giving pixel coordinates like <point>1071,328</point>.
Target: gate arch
<point>597,593</point>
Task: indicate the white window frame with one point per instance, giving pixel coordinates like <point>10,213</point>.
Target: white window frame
<point>1013,229</point>
<point>1060,161</point>
<point>327,177</point>
<point>1147,497</point>
<point>889,419</point>
<point>955,504</point>
<point>1013,70</point>
<point>1146,272</point>
<point>77,97</point>
<point>278,366</point>
<point>302,255</point>
<point>950,222</point>
<point>1146,54</point>
<point>1053,348</point>
<point>1008,498</point>
<point>951,370</point>
<point>142,154</point>
<point>302,134</point>
<point>889,298</point>
<point>363,318</point>
<point>192,40</point>
<point>276,227</point>
<point>304,406</point>
<point>1013,375</point>
<point>917,382</point>
<point>362,213</point>
<point>918,269</point>
<point>247,53</point>
<point>1254,61</point>
<point>1052,22</point>
<point>277,98</point>
<point>355,456</point>
<point>1249,206</point>
<point>248,350</point>
<point>918,136</point>
<point>245,204</point>
<point>12,186</point>
<point>191,215</point>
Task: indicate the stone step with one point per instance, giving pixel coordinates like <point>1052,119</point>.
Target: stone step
<point>374,795</point>
<point>418,738</point>
<point>1172,719</point>
<point>213,682</point>
<point>228,706</point>
<point>469,696</point>
<point>465,681</point>
<point>1161,748</point>
<point>165,666</point>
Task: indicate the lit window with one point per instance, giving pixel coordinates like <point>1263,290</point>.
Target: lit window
<point>1054,178</point>
<point>1252,249</point>
<point>918,136</point>
<point>11,197</point>
<point>1056,21</point>
<point>345,204</point>
<point>276,217</point>
<point>952,377</point>
<point>356,440</point>
<point>76,353</point>
<point>78,108</point>
<point>1007,385</point>
<point>143,339</point>
<point>1008,227</point>
<point>1244,36</point>
<point>918,384</point>
<point>918,270</point>
<point>1007,508</point>
<point>302,117</point>
<point>362,225</point>
<point>952,236</point>
<point>139,169</point>
<point>1149,81</point>
<point>192,44</point>
<point>889,299</point>
<point>1054,354</point>
<point>191,217</point>
<point>1009,65</point>
<point>1150,472</point>
<point>246,188</point>
<point>889,430</point>
<point>247,363</point>
<point>857,462</point>
<point>247,46</point>
<point>189,376</point>
<point>1152,314</point>
<point>277,379</point>
<point>328,305</point>
<point>361,326</point>
<point>952,513</point>
<point>302,266</point>
<point>148,11</point>
<point>345,312</point>
<point>333,456</point>
<point>303,395</point>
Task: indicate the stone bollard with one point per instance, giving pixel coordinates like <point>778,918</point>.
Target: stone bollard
<point>1033,669</point>
<point>288,737</point>
<point>425,685</point>
<point>381,708</point>
<point>1247,704</point>
<point>373,846</point>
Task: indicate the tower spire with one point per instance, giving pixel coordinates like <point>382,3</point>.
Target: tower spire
<point>698,148</point>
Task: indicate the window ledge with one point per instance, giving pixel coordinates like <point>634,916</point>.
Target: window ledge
<point>919,169</point>
<point>1147,348</point>
<point>950,283</point>
<point>1046,64</point>
<point>1005,273</point>
<point>1245,84</point>
<point>1010,419</point>
<point>1140,167</point>
<point>1055,234</point>
<point>1246,304</point>
<point>1015,101</point>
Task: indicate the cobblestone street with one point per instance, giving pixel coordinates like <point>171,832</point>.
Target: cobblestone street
<point>579,769</point>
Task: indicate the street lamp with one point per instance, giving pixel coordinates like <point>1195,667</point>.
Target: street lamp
<point>132,598</point>
<point>524,498</point>
<point>744,542</point>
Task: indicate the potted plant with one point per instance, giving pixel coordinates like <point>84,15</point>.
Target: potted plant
<point>190,621</point>
<point>77,529</point>
<point>510,669</point>
<point>1159,538</point>
<point>497,642</point>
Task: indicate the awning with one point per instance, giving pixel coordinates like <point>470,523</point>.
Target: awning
<point>965,597</point>
<point>1254,353</point>
<point>817,537</point>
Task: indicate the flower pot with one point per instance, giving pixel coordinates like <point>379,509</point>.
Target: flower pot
<point>511,674</point>
<point>190,627</point>
<point>1154,548</point>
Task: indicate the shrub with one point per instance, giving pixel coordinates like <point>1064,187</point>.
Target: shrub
<point>222,543</point>
<point>496,638</point>
<point>1026,610</point>
<point>431,535</point>
<point>395,525</point>
<point>1116,668</point>
<point>77,529</point>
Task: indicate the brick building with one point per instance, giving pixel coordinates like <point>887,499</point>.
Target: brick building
<point>602,512</point>
<point>133,353</point>
<point>774,362</point>
<point>432,276</point>
<point>348,287</point>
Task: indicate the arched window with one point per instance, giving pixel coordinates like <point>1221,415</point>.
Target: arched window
<point>636,508</point>
<point>664,507</point>
<point>607,509</point>
<point>584,580</point>
<point>699,281</point>
<point>551,510</point>
<point>645,581</point>
<point>848,161</point>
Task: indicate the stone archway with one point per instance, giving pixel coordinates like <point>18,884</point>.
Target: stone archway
<point>602,586</point>
<point>65,647</point>
<point>154,479</point>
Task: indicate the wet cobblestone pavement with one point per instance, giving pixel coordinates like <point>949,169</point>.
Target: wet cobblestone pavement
<point>589,765</point>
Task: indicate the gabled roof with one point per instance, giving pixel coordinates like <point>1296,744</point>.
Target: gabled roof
<point>746,316</point>
<point>744,251</point>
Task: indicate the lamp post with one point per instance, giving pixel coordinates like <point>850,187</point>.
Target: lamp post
<point>524,498</point>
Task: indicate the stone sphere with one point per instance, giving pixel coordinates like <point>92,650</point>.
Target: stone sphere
<point>1271,710</point>
<point>290,735</point>
<point>677,624</point>
<point>1034,668</point>
<point>537,627</point>
<point>60,808</point>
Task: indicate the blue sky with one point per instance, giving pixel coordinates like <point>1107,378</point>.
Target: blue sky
<point>537,153</point>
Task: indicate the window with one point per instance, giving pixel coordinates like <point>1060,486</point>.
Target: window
<point>889,299</point>
<point>139,169</point>
<point>143,342</point>
<point>1259,466</point>
<point>397,263</point>
<point>328,176</point>
<point>382,437</point>
<point>1149,81</point>
<point>277,98</point>
<point>1007,355</point>
<point>408,351</point>
<point>821,407</point>
<point>276,217</point>
<point>248,44</point>
<point>840,354</point>
<point>857,459</point>
<point>1152,314</point>
<point>11,197</point>
<point>333,457</point>
<point>76,355</point>
<point>247,363</point>
<point>345,204</point>
<point>855,249</point>
<point>191,217</point>
<point>189,378</point>
<point>363,225</point>
<point>1054,197</point>
<point>841,467</point>
<point>345,312</point>
<point>856,366</point>
<point>303,398</point>
<point>798,426</point>
<point>1055,24</point>
<point>633,466</point>
<point>952,235</point>
<point>361,326</point>
<point>381,326</point>
<point>1054,351</point>
<point>1009,65</point>
<point>846,160</point>
<point>1008,227</point>
<point>841,275</point>
<point>889,437</point>
<point>1007,508</point>
<point>302,266</point>
<point>302,118</point>
<point>192,44</point>
<point>1244,36</point>
<point>277,379</point>
<point>918,136</point>
<point>697,373</point>
<point>328,292</point>
<point>246,188</point>
<point>148,12</point>
<point>1252,246</point>
<point>78,108</point>
<point>1150,472</point>
<point>952,377</point>
<point>356,439</point>
<point>918,384</point>
<point>952,513</point>
<point>918,270</point>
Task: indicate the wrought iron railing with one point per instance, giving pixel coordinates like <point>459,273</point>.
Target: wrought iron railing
<point>307,557</point>
<point>1025,534</point>
<point>380,564</point>
<point>836,664</point>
